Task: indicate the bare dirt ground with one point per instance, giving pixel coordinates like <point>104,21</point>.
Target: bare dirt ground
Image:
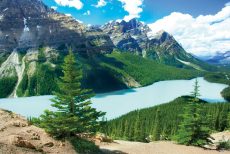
<point>18,137</point>
<point>162,147</point>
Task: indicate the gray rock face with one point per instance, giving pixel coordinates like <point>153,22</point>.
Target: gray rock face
<point>30,23</point>
<point>133,37</point>
<point>129,36</point>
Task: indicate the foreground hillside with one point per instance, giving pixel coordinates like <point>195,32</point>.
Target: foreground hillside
<point>162,147</point>
<point>17,137</point>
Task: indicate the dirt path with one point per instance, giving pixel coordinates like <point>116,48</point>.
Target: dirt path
<point>162,147</point>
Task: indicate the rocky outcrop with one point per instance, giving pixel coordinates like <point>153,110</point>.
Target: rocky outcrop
<point>128,36</point>
<point>136,37</point>
<point>29,23</point>
<point>18,136</point>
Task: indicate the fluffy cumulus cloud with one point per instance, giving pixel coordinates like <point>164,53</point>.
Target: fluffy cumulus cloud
<point>70,3</point>
<point>204,35</point>
<point>133,7</point>
<point>101,3</point>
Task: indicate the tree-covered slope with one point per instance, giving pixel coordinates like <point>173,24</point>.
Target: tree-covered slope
<point>221,77</point>
<point>140,124</point>
<point>40,69</point>
<point>144,71</point>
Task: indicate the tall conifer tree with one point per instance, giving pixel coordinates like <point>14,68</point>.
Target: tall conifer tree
<point>193,130</point>
<point>73,111</point>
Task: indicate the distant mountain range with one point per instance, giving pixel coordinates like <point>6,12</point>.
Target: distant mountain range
<point>220,58</point>
<point>35,38</point>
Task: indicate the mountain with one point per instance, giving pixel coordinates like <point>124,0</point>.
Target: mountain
<point>220,58</point>
<point>128,36</point>
<point>34,40</point>
<point>29,23</point>
<point>134,36</point>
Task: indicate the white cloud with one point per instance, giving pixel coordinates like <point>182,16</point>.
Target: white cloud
<point>68,14</point>
<point>54,7</point>
<point>133,7</point>
<point>203,35</point>
<point>81,22</point>
<point>70,3</point>
<point>87,13</point>
<point>100,3</point>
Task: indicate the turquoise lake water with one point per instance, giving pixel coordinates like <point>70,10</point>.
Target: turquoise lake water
<point>121,102</point>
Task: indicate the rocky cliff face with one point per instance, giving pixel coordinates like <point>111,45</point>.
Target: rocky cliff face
<point>29,23</point>
<point>133,36</point>
<point>128,36</point>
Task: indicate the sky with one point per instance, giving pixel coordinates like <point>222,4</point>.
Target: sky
<point>201,26</point>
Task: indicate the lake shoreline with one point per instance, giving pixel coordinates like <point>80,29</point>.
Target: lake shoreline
<point>120,102</point>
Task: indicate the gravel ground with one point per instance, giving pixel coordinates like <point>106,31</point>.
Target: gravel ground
<point>162,147</point>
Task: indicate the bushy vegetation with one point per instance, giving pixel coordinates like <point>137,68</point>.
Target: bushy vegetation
<point>223,78</point>
<point>144,121</point>
<point>226,94</point>
<point>83,146</point>
<point>7,85</point>
<point>218,78</point>
<point>224,145</point>
<point>143,70</point>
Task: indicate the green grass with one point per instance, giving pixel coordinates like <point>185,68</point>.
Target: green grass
<point>144,71</point>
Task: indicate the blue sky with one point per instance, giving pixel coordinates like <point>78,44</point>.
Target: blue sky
<point>151,9</point>
<point>201,26</point>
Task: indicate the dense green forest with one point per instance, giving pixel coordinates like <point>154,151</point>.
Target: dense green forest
<point>221,77</point>
<point>7,86</point>
<point>140,124</point>
<point>3,57</point>
<point>43,81</point>
<point>143,70</point>
<point>99,70</point>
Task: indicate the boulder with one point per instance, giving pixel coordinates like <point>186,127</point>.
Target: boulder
<point>20,142</point>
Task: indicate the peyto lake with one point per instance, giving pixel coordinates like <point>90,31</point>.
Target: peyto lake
<point>121,102</point>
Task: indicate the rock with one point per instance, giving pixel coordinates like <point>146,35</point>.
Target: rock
<point>102,138</point>
<point>21,142</point>
<point>36,24</point>
<point>2,128</point>
<point>19,124</point>
<point>49,144</point>
<point>35,136</point>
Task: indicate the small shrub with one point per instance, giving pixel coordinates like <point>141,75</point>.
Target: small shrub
<point>224,145</point>
<point>84,146</point>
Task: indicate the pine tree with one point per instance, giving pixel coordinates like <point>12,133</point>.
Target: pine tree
<point>157,130</point>
<point>74,113</point>
<point>137,128</point>
<point>193,130</point>
<point>228,121</point>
